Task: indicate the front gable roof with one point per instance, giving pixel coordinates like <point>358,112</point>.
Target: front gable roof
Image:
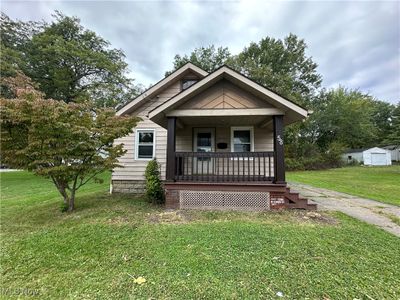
<point>155,89</point>
<point>292,112</point>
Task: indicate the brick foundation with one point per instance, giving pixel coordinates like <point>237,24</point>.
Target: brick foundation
<point>280,196</point>
<point>171,199</point>
<point>128,186</point>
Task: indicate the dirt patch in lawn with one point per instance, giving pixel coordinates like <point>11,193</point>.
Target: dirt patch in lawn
<point>318,218</point>
<point>170,217</point>
<point>187,216</point>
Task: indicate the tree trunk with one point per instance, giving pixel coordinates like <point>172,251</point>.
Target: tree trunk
<point>71,205</point>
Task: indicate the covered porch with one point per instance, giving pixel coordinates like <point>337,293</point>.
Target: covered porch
<point>230,149</point>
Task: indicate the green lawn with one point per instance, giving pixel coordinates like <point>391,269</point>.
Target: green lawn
<point>97,251</point>
<point>377,183</point>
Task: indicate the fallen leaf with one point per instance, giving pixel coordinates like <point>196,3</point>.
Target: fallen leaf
<point>139,280</point>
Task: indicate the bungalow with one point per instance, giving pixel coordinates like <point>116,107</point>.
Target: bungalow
<point>218,137</point>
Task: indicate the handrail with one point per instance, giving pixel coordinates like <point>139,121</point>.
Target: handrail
<point>224,166</point>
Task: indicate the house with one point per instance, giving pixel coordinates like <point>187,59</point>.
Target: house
<point>218,137</point>
<point>394,151</point>
<point>369,157</point>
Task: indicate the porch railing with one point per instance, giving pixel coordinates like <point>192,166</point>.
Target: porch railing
<point>224,166</point>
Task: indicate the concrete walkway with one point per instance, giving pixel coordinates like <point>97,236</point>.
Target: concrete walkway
<point>366,210</point>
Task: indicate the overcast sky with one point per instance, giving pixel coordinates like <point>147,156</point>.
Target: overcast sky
<point>356,44</point>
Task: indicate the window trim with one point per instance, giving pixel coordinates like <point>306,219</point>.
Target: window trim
<point>137,131</point>
<point>250,128</point>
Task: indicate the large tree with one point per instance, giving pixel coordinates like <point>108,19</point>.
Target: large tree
<point>345,116</point>
<point>70,63</point>
<point>281,65</point>
<point>208,58</point>
<point>393,134</point>
<point>70,143</point>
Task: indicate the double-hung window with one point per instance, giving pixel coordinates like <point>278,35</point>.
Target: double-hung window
<point>242,139</point>
<point>145,143</point>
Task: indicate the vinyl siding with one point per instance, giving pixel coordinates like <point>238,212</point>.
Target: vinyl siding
<point>134,168</point>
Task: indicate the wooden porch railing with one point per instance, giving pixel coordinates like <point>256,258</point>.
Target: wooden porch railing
<point>224,166</point>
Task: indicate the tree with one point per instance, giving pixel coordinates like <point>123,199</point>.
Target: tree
<point>14,36</point>
<point>70,143</point>
<point>383,117</point>
<point>208,58</point>
<point>281,65</point>
<point>69,62</point>
<point>393,136</point>
<point>344,116</point>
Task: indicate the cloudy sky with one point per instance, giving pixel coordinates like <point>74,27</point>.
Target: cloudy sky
<point>356,44</point>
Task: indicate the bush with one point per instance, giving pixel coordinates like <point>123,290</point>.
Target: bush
<point>331,158</point>
<point>293,164</point>
<point>154,187</point>
<point>353,162</point>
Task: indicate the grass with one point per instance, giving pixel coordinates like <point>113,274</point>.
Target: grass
<point>98,250</point>
<point>377,183</point>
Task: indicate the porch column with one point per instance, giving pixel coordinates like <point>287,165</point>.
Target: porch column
<point>279,159</point>
<point>171,147</point>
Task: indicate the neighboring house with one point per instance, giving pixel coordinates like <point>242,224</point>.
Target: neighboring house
<point>369,157</point>
<point>218,137</point>
<point>394,151</point>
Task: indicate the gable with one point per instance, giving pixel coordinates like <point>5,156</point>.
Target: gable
<point>376,150</point>
<point>224,95</point>
<point>164,89</point>
<point>165,93</point>
<point>275,104</point>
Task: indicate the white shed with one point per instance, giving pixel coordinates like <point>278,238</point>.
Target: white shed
<point>369,157</point>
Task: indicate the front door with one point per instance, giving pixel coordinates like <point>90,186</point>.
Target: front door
<point>203,141</point>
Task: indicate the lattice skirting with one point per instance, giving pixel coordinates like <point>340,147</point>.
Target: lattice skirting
<point>224,200</point>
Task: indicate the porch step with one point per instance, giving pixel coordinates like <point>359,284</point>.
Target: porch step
<point>298,202</point>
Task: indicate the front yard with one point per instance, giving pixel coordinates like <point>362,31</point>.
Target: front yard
<point>98,251</point>
<point>376,183</point>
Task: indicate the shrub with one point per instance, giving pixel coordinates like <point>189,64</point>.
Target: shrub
<point>353,162</point>
<point>331,158</point>
<point>154,187</point>
<point>293,164</point>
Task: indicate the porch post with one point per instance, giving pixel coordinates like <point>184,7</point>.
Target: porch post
<point>171,147</point>
<point>279,159</point>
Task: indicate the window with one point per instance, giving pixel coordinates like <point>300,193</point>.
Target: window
<point>242,139</point>
<point>186,83</point>
<point>145,144</point>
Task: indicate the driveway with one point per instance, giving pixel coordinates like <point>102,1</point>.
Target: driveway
<point>370,211</point>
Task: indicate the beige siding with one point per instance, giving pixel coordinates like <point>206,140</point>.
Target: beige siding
<point>134,169</point>
<point>184,142</point>
<point>224,95</point>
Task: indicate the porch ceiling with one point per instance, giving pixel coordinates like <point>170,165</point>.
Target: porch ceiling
<point>225,121</point>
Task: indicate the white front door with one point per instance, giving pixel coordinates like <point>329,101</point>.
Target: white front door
<point>203,141</point>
